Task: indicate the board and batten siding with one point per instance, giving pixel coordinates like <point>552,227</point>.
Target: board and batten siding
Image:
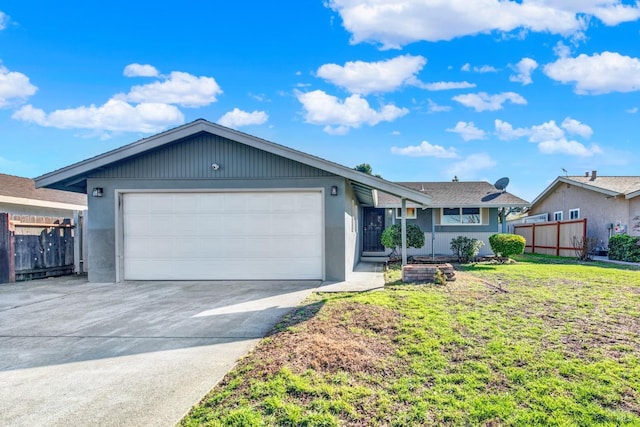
<point>192,159</point>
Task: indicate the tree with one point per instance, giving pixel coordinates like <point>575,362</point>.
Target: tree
<point>392,237</point>
<point>366,168</point>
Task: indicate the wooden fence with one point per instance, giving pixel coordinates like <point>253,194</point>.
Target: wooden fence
<point>553,238</point>
<point>35,247</point>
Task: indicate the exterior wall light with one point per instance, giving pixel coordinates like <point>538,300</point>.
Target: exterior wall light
<point>334,190</point>
<point>97,192</point>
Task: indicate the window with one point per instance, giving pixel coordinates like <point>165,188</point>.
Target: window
<point>412,213</point>
<point>574,214</point>
<point>468,216</point>
<point>557,216</point>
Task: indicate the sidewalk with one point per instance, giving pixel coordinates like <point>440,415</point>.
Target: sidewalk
<point>613,261</point>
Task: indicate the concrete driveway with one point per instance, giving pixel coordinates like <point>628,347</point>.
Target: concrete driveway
<point>138,353</point>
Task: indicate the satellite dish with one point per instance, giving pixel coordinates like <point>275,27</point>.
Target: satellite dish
<point>502,183</point>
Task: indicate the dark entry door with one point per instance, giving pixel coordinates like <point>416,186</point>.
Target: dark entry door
<point>373,225</point>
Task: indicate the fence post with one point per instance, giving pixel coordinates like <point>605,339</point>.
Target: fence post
<point>7,245</point>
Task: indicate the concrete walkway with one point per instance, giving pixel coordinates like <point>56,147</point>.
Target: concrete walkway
<point>613,261</point>
<point>367,276</point>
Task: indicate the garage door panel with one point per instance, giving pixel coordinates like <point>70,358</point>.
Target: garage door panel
<point>223,236</point>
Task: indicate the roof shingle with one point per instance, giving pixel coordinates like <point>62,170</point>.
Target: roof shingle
<point>15,186</point>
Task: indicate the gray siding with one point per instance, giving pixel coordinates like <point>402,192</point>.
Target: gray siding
<point>192,158</point>
<point>102,227</point>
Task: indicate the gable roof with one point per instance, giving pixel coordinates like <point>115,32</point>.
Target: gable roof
<point>16,190</point>
<point>627,186</point>
<point>454,194</point>
<point>73,177</point>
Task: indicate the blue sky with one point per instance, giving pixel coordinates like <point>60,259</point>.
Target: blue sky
<point>423,90</point>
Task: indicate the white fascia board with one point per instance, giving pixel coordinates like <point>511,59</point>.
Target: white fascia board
<point>41,203</point>
<point>632,195</point>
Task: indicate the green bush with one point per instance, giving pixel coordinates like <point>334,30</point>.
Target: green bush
<point>505,245</point>
<point>466,248</point>
<point>623,247</point>
<point>392,236</point>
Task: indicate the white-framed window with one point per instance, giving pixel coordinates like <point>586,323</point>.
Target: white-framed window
<point>574,214</point>
<point>557,216</point>
<point>464,216</point>
<point>412,213</point>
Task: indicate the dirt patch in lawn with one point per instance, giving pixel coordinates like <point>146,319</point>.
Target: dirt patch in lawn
<point>347,337</point>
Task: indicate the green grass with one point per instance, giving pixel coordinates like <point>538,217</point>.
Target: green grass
<point>544,341</point>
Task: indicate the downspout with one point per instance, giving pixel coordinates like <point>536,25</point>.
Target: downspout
<point>403,227</point>
<point>503,219</point>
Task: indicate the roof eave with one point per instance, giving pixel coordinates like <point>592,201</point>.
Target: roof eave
<point>201,125</point>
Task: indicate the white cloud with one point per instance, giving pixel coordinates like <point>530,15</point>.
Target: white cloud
<point>140,70</point>
<point>4,20</point>
<point>14,87</point>
<point>551,138</point>
<point>484,102</point>
<point>426,150</point>
<point>179,88</point>
<point>238,118</point>
<point>524,68</point>
<point>394,24</point>
<point>632,110</point>
<point>435,108</point>
<point>468,131</point>
<point>597,74</point>
<point>115,115</point>
<point>572,148</point>
<point>575,127</point>
<point>545,131</point>
<point>506,131</point>
<point>482,69</point>
<point>470,166</point>
<point>363,78</point>
<point>435,86</point>
<point>339,116</point>
<point>561,50</point>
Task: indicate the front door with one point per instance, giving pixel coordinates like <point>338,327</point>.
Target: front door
<point>373,225</point>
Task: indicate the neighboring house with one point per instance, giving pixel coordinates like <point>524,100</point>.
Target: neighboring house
<point>19,196</point>
<point>29,205</point>
<point>610,204</point>
<point>457,208</point>
<point>204,202</point>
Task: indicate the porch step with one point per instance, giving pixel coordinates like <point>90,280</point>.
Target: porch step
<point>377,258</point>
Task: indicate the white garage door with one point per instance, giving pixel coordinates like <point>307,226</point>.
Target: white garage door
<point>223,236</point>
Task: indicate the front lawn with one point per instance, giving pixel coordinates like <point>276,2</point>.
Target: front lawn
<point>545,341</point>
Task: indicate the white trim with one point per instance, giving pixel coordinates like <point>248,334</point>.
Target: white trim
<point>571,211</point>
<point>41,203</point>
<point>119,220</point>
<point>464,224</point>
<point>557,214</point>
<point>398,213</point>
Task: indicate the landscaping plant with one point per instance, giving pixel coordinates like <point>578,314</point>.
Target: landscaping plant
<point>392,237</point>
<point>623,247</point>
<point>466,248</point>
<point>505,245</point>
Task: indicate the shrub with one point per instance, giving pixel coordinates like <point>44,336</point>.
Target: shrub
<point>392,236</point>
<point>504,245</point>
<point>623,247</point>
<point>466,248</point>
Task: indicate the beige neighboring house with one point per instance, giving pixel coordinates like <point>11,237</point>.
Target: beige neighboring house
<point>19,196</point>
<point>611,204</point>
